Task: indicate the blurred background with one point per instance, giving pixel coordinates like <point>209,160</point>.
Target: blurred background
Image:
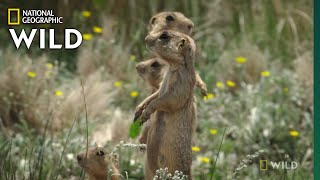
<point>256,58</point>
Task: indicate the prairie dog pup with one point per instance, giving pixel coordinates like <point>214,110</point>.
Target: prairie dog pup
<point>96,164</point>
<point>169,139</point>
<point>152,71</point>
<point>175,21</point>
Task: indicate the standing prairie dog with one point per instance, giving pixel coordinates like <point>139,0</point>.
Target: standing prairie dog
<point>96,164</point>
<point>169,138</point>
<point>151,71</point>
<point>175,21</point>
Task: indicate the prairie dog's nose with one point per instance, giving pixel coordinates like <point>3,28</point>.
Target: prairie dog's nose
<point>164,35</point>
<point>140,68</point>
<point>149,41</point>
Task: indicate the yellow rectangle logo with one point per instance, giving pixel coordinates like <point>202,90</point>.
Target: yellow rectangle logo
<point>17,10</point>
<point>264,165</point>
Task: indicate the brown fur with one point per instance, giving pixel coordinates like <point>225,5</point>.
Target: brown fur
<point>152,72</point>
<point>169,139</point>
<point>175,21</point>
<point>96,164</point>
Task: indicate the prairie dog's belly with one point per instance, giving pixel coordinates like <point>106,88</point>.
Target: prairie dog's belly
<point>178,125</point>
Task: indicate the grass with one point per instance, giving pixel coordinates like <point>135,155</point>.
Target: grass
<point>42,130</point>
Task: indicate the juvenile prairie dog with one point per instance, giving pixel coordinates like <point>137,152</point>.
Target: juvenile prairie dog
<point>151,71</point>
<point>96,164</point>
<point>169,138</point>
<point>175,21</point>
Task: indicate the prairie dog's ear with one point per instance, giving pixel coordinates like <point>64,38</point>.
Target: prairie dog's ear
<point>152,20</point>
<point>151,23</point>
<point>182,43</point>
<point>100,152</point>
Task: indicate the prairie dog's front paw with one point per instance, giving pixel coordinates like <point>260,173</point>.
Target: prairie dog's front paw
<point>204,91</point>
<point>147,113</point>
<point>138,112</point>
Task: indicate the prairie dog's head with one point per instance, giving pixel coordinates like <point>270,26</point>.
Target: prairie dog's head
<point>152,71</point>
<point>170,21</point>
<point>96,162</point>
<point>172,46</point>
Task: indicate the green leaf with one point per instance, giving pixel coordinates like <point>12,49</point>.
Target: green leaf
<point>135,129</point>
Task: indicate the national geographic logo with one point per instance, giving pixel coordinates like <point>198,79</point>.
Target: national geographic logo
<point>11,20</point>
<point>278,165</point>
<point>32,16</point>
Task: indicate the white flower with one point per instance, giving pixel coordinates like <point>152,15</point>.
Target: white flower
<point>70,156</point>
<point>23,163</point>
<point>132,162</point>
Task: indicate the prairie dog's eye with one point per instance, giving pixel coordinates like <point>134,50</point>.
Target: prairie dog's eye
<point>100,153</point>
<point>169,18</point>
<point>164,36</point>
<point>190,27</point>
<point>155,64</point>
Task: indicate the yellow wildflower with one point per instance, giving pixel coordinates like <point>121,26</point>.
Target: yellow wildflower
<point>294,133</point>
<point>134,94</point>
<point>133,58</point>
<point>58,93</point>
<point>213,131</point>
<point>265,73</point>
<point>86,14</point>
<point>286,90</point>
<point>87,36</point>
<point>240,60</point>
<point>97,29</point>
<point>204,159</point>
<point>31,74</point>
<point>195,149</point>
<point>209,96</point>
<point>49,65</point>
<point>231,83</point>
<point>220,85</point>
<point>117,84</point>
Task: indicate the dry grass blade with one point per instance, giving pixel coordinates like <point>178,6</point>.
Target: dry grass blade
<point>294,28</point>
<point>215,162</point>
<point>85,108</point>
<point>280,27</point>
<point>304,15</point>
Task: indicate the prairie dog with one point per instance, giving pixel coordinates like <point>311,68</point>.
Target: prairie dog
<point>169,139</point>
<point>96,164</point>
<point>152,72</point>
<point>175,21</point>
